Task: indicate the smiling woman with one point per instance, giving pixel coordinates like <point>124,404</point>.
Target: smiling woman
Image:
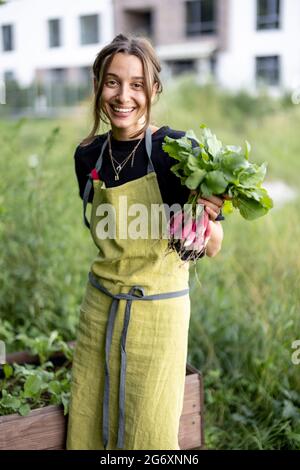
<point>123,99</point>
<point>129,364</point>
<point>126,79</point>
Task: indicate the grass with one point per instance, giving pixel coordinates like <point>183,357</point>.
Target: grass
<point>245,301</point>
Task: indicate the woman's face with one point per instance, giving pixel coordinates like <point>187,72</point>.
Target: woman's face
<point>123,95</point>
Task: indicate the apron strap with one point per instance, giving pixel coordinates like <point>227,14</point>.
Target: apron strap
<point>89,184</point>
<point>148,139</point>
<point>85,198</point>
<point>130,297</point>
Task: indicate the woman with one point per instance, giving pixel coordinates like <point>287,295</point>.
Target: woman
<point>130,357</point>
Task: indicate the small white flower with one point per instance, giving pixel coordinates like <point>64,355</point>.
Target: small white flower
<point>33,161</point>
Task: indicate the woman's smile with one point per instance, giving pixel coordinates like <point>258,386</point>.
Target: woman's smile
<point>122,112</point>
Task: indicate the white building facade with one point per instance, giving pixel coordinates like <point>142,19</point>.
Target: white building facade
<point>241,43</point>
<point>263,45</point>
<point>52,39</point>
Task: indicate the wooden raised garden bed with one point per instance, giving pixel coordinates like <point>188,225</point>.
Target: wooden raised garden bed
<point>45,428</point>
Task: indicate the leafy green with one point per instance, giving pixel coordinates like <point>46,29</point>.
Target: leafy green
<point>212,168</point>
<point>29,386</point>
<point>45,346</point>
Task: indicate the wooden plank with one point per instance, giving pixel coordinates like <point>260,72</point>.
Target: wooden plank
<point>192,399</point>
<point>190,435</point>
<point>41,429</point>
<point>45,428</point>
<point>191,369</point>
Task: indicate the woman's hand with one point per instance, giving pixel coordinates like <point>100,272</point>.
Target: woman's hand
<point>214,243</point>
<point>212,204</point>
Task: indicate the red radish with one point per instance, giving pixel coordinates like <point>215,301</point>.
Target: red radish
<point>198,243</point>
<point>189,233</point>
<point>187,224</point>
<point>176,225</point>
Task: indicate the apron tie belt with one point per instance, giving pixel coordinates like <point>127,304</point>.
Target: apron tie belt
<point>108,340</point>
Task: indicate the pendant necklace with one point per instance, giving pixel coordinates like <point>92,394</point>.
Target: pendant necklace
<point>121,165</point>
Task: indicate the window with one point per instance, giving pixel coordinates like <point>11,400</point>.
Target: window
<point>57,75</point>
<point>213,65</point>
<point>268,14</point>
<point>9,76</point>
<point>200,17</point>
<point>54,33</point>
<point>179,67</point>
<point>89,30</point>
<point>85,75</point>
<point>267,70</point>
<point>7,37</point>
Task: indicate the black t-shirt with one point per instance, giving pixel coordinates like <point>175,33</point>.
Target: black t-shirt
<point>172,191</point>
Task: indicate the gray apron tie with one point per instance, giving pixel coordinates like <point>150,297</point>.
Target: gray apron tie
<point>132,295</point>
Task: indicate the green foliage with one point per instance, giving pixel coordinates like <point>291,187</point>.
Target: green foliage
<point>40,285</point>
<point>214,169</point>
<point>29,386</point>
<point>44,346</point>
<point>244,320</point>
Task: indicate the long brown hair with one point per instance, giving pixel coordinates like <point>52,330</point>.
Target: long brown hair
<point>143,49</point>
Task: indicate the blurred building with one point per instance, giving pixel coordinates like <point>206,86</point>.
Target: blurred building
<point>186,34</point>
<point>52,39</point>
<point>240,43</point>
<point>263,45</point>
<point>237,43</point>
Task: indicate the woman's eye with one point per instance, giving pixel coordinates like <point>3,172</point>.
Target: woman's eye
<point>136,85</point>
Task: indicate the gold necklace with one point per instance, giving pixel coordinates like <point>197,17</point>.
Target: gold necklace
<point>121,165</point>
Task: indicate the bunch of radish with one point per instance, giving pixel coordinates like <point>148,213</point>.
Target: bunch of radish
<point>189,232</point>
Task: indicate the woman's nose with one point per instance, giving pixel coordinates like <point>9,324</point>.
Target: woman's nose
<point>124,92</point>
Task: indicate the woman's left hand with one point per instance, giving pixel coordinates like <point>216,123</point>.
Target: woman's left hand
<point>212,204</point>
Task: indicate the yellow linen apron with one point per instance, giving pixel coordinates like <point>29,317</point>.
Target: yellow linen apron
<point>129,362</point>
